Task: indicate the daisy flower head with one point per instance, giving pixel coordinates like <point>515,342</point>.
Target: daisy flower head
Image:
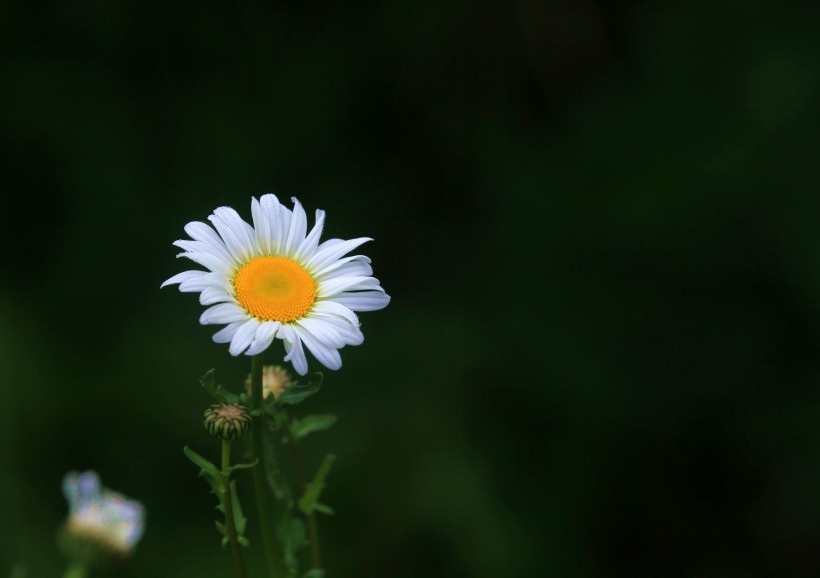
<point>275,280</point>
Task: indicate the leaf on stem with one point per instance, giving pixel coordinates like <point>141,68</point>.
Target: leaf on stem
<point>309,501</point>
<point>207,470</point>
<point>295,393</point>
<point>311,423</point>
<point>235,467</point>
<point>219,393</point>
<point>239,518</point>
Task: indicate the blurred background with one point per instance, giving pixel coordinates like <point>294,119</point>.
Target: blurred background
<point>599,223</point>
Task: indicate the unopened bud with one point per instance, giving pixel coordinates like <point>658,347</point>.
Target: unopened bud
<point>227,421</point>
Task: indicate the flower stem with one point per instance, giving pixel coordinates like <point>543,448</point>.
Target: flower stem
<point>230,522</point>
<point>270,544</point>
<point>76,570</point>
<point>298,464</point>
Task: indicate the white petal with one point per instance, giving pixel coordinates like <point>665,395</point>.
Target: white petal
<point>327,254</point>
<point>197,284</point>
<point>203,247</point>
<point>293,347</point>
<point>223,313</point>
<point>184,276</point>
<point>329,243</point>
<point>205,234</point>
<point>350,333</point>
<point>272,209</point>
<point>244,337</point>
<point>352,269</point>
<point>298,227</point>
<point>308,247</point>
<point>321,331</point>
<point>363,300</point>
<point>333,286</point>
<point>236,233</point>
<point>327,356</point>
<point>225,334</point>
<point>284,217</point>
<point>211,295</point>
<point>333,308</point>
<point>213,262</point>
<point>262,227</point>
<point>264,336</point>
<point>338,263</point>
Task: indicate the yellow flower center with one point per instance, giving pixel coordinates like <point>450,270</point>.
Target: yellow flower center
<point>274,289</point>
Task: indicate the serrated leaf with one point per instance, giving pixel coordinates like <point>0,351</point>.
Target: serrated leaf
<point>311,423</point>
<point>208,470</point>
<point>298,392</point>
<point>313,491</point>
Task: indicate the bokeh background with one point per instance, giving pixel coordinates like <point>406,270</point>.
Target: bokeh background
<point>599,223</point>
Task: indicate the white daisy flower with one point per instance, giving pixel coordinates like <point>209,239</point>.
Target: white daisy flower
<point>101,516</point>
<point>274,280</point>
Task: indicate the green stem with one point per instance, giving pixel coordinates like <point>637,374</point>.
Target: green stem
<point>313,527</point>
<point>230,521</point>
<point>270,544</point>
<point>76,570</point>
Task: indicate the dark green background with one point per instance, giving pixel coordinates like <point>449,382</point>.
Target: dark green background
<point>599,222</point>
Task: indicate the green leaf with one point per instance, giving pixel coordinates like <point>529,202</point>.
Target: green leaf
<point>298,392</point>
<point>310,499</point>
<point>323,509</point>
<point>315,573</point>
<point>227,396</point>
<point>207,470</point>
<point>244,466</point>
<point>219,393</point>
<point>239,519</point>
<point>298,534</point>
<point>208,383</point>
<point>311,423</point>
<point>243,541</point>
<point>220,527</point>
<point>277,481</point>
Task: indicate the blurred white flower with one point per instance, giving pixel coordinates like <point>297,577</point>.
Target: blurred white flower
<point>274,280</point>
<point>100,516</point>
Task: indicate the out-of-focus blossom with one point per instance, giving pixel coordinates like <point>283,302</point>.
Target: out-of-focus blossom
<point>101,518</point>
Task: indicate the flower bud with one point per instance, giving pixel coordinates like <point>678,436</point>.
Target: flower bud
<point>227,421</point>
<point>275,379</point>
